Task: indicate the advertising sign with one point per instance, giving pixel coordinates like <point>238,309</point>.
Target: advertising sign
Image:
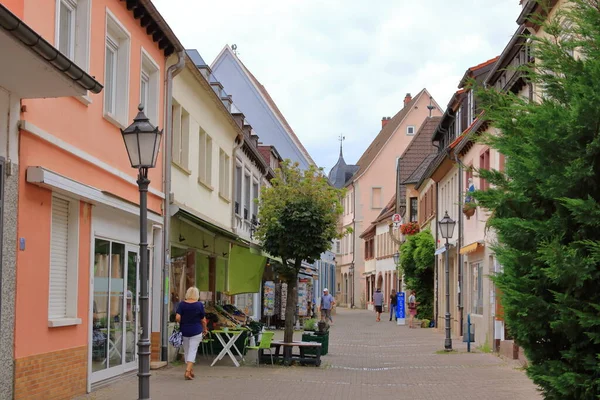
<point>401,308</point>
<point>269,299</point>
<point>302,299</point>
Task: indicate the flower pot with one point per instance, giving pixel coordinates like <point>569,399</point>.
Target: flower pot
<point>469,210</point>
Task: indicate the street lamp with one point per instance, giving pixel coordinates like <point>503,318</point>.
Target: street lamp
<point>142,141</point>
<point>447,230</point>
<point>396,258</point>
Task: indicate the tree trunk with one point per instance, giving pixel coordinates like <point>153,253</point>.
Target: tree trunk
<point>290,307</point>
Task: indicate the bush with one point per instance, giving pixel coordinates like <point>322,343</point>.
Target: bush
<point>417,262</point>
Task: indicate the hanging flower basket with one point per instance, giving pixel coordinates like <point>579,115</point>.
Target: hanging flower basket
<point>469,209</point>
<point>409,228</point>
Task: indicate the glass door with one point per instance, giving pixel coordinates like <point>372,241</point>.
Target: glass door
<point>132,309</point>
<point>115,309</point>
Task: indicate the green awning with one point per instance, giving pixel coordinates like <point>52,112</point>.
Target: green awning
<point>205,224</point>
<point>245,270</point>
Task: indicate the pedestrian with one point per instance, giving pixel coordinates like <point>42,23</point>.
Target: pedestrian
<point>393,303</point>
<point>192,323</point>
<point>327,303</point>
<point>378,301</point>
<point>412,307</point>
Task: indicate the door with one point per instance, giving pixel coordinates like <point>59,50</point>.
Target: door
<point>115,322</point>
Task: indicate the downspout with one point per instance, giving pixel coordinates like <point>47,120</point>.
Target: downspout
<point>172,71</point>
<point>353,245</point>
<point>436,276</point>
<point>460,239</point>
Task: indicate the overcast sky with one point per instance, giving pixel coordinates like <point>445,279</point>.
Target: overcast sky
<point>337,66</point>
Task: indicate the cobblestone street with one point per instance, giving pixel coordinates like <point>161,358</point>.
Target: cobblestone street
<point>366,360</point>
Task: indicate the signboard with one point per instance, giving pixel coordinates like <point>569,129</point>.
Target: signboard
<point>302,299</point>
<point>397,220</point>
<point>401,308</point>
<point>269,299</point>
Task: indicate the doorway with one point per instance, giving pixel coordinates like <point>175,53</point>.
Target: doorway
<point>115,319</point>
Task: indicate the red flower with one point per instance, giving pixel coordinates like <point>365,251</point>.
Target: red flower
<point>409,228</point>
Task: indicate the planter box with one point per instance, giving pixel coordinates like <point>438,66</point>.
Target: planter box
<point>318,337</point>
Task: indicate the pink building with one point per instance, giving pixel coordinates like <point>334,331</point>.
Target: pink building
<point>78,220</point>
<point>369,187</point>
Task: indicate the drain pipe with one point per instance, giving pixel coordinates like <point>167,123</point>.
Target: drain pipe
<point>353,246</point>
<point>236,147</point>
<point>460,239</point>
<point>172,71</point>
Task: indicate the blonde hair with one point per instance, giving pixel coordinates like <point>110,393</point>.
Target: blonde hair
<point>192,293</point>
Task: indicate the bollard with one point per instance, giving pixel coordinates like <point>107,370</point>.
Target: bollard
<point>468,333</point>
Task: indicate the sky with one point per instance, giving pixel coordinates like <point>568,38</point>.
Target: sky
<point>337,67</point>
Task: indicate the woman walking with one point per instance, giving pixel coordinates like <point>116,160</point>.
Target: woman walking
<point>393,304</point>
<point>192,322</point>
<point>412,307</point>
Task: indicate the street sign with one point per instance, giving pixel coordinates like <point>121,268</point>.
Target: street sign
<point>397,220</point>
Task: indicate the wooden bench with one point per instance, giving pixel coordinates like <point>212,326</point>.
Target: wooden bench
<point>288,354</point>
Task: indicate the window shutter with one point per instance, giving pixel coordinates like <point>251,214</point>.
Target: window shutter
<point>59,240</point>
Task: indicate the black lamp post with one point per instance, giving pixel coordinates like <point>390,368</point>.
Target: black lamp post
<point>447,230</point>
<point>142,141</point>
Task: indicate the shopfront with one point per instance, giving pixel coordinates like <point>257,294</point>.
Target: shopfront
<point>115,323</point>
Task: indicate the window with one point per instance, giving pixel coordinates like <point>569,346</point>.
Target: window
<point>484,163</point>
<point>410,130</point>
<point>149,87</point>
<point>470,107</point>
<point>477,287</point>
<point>414,210</point>
<point>181,136</point>
<point>247,196</point>
<point>223,174</point>
<point>376,197</point>
<point>116,72</point>
<point>457,127</point>
<point>254,199</point>
<point>64,238</point>
<point>73,30</point>
<point>238,189</point>
<point>205,159</point>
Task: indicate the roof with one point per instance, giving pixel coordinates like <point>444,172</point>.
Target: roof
<point>273,105</point>
<point>341,172</point>
<point>384,135</point>
<point>196,58</point>
<point>155,25</point>
<point>387,212</point>
<point>419,148</point>
<point>418,173</point>
<point>489,64</point>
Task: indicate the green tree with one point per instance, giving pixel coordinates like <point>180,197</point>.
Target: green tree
<point>298,221</point>
<point>417,261</point>
<point>545,206</point>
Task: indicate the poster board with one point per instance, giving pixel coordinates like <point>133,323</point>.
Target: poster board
<point>269,298</point>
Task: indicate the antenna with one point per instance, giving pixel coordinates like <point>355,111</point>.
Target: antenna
<point>430,107</point>
<point>234,48</point>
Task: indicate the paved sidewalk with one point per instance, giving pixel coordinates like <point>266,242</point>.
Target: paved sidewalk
<point>366,360</point>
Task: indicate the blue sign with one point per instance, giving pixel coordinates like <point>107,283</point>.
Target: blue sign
<point>400,306</point>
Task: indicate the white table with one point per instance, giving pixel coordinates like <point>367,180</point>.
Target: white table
<point>227,339</point>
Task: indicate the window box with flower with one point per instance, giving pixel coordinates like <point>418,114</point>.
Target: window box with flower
<point>410,228</point>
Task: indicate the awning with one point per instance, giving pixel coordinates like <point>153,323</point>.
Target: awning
<point>245,271</point>
<point>186,215</point>
<point>35,68</point>
<point>368,273</point>
<point>470,248</point>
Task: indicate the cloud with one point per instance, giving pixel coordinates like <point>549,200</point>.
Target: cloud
<point>339,66</point>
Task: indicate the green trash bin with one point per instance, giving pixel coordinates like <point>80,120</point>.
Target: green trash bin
<point>319,337</point>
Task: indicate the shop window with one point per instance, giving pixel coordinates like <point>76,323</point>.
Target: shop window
<point>64,245</point>
<point>183,275</point>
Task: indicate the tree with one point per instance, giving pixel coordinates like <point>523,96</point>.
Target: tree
<point>545,206</point>
<point>298,221</point>
<point>417,261</point>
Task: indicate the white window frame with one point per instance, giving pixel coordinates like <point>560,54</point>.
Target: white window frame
<point>70,5</point>
<point>150,72</point>
<point>116,35</point>
<point>457,122</point>
<point>70,318</point>
<point>239,186</point>
<point>81,33</point>
<point>411,130</point>
<point>205,146</point>
<point>224,174</point>
<point>247,196</point>
<point>253,205</point>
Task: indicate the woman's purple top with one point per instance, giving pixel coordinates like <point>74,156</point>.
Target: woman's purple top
<point>192,315</point>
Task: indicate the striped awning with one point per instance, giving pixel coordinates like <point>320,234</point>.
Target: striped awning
<point>470,248</point>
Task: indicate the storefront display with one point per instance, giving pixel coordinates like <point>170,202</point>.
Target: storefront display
<point>302,299</point>
<point>269,298</point>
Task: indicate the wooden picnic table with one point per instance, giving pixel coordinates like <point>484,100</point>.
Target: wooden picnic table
<point>288,355</point>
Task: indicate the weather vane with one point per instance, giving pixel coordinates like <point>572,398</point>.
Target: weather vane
<point>234,48</point>
<point>430,107</point>
<point>341,139</point>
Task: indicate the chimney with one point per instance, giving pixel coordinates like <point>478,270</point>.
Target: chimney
<point>384,121</point>
<point>407,99</point>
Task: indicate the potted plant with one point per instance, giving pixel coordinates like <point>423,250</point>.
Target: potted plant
<point>469,209</point>
<point>410,228</point>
